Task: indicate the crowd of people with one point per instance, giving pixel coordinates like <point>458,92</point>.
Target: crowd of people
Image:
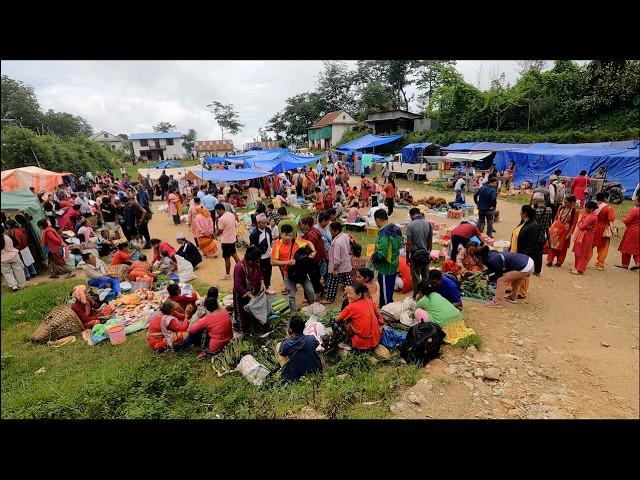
<point>86,222</point>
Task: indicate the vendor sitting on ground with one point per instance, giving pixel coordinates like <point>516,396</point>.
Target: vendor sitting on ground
<point>360,320</point>
<point>446,287</point>
<point>201,308</point>
<point>97,275</point>
<point>466,262</point>
<point>104,244</point>
<point>140,269</point>
<point>173,289</point>
<point>214,330</point>
<point>403,279</point>
<point>85,307</point>
<point>353,215</point>
<point>297,353</point>
<point>442,312</point>
<point>168,330</point>
<point>366,277</point>
<point>122,256</point>
<point>188,250</point>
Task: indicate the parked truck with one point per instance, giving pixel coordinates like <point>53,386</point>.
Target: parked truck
<point>427,166</point>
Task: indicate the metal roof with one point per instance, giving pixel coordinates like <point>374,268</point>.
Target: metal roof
<point>154,135</point>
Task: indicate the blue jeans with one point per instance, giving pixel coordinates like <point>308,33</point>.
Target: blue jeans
<point>387,284</point>
<point>101,282</point>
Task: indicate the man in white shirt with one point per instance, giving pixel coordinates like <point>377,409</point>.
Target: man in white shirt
<point>261,238</point>
<point>370,219</point>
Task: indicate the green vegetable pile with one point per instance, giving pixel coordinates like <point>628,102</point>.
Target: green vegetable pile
<point>476,287</point>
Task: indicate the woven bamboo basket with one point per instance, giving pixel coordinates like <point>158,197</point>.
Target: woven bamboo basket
<point>61,322</point>
<point>122,271</point>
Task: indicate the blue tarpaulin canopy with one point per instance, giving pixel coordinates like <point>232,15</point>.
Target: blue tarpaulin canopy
<point>369,141</point>
<point>410,152</point>
<point>214,160</point>
<point>540,160</point>
<point>281,161</point>
<point>484,146</point>
<point>167,165</point>
<point>359,154</point>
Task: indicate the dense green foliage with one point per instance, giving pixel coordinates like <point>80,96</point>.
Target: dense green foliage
<point>77,154</point>
<point>598,100</point>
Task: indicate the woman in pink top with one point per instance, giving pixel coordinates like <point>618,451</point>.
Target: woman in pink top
<point>172,200</point>
<point>86,230</point>
<point>353,215</point>
<point>579,186</point>
<point>12,266</point>
<point>339,262</point>
<point>228,237</point>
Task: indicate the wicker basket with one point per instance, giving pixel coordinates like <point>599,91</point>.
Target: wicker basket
<point>61,322</point>
<point>122,271</point>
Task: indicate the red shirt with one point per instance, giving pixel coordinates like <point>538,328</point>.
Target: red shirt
<point>21,236</point>
<point>120,258</point>
<point>175,324</point>
<point>218,327</point>
<point>466,230</point>
<point>313,235</point>
<point>184,300</point>
<point>51,239</point>
<point>364,318</point>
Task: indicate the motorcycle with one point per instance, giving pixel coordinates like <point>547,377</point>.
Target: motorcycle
<point>616,192</point>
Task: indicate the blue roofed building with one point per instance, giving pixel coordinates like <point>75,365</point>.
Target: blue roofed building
<point>157,146</point>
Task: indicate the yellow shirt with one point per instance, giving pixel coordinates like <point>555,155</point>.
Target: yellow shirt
<point>514,239</point>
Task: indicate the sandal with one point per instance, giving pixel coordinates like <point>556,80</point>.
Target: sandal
<point>622,266</point>
<point>575,272</point>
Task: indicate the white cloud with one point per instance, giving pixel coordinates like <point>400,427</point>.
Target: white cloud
<point>132,96</point>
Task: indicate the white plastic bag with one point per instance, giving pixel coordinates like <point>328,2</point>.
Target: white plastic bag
<point>253,371</point>
<point>407,317</point>
<point>185,269</point>
<point>392,311</point>
<point>314,309</point>
<point>316,329</point>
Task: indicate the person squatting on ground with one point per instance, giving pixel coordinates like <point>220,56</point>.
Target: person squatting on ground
<point>297,354</point>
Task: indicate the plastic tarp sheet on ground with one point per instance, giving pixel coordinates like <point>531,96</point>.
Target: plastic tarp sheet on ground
<point>234,175</point>
<point>26,177</point>
<point>410,152</point>
<point>167,165</point>
<point>25,201</point>
<point>369,141</point>
<point>539,161</point>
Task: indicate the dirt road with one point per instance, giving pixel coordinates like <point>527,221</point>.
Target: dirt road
<point>570,350</point>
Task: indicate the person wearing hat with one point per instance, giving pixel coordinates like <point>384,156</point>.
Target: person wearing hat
<point>188,250</point>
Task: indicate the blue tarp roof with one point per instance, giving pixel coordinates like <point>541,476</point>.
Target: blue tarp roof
<point>358,153</point>
<point>167,165</point>
<point>410,151</point>
<point>540,160</point>
<point>154,135</point>
<point>369,141</point>
<point>215,160</point>
<point>281,162</point>
<point>483,146</point>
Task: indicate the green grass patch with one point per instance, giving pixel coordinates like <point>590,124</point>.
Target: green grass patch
<point>444,381</point>
<point>472,340</point>
<point>130,381</point>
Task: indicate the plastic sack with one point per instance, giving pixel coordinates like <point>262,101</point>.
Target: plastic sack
<point>315,328</point>
<point>259,307</point>
<point>407,316</point>
<point>253,371</point>
<point>185,269</point>
<point>314,309</point>
<point>392,338</point>
<point>392,311</point>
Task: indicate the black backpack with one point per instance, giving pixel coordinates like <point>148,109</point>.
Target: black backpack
<point>298,272</point>
<point>423,343</point>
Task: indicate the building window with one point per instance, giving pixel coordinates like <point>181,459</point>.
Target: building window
<point>113,147</point>
<point>169,141</point>
<point>106,136</point>
<point>144,143</point>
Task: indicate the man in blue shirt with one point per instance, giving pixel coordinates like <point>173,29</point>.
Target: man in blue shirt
<point>209,201</point>
<point>485,199</point>
<point>446,287</point>
<point>202,192</point>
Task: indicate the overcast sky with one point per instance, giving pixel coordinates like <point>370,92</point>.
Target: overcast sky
<point>132,96</point>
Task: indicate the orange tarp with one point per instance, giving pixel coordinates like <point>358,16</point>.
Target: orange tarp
<point>26,177</point>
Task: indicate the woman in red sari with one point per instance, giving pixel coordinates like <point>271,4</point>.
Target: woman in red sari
<point>85,307</point>
<point>54,246</point>
<point>561,231</point>
<point>584,238</point>
<point>606,216</point>
<point>167,330</point>
<point>579,186</point>
<point>266,186</point>
<point>630,244</point>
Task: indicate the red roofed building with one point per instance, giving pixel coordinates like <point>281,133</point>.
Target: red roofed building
<point>268,145</point>
<point>213,147</point>
<point>328,131</point>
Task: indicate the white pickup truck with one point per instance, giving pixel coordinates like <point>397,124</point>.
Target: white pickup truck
<point>428,167</point>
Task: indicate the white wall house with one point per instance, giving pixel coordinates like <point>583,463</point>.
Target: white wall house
<point>328,131</point>
<point>112,142</point>
<point>157,146</point>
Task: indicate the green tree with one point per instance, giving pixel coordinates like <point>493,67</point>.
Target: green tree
<point>18,101</point>
<point>164,127</point>
<point>188,140</point>
<point>226,117</point>
<point>526,65</point>
<point>432,74</point>
<point>65,125</point>
<point>335,87</point>
<point>460,106</point>
<point>373,97</point>
<point>394,75</point>
<point>300,112</point>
